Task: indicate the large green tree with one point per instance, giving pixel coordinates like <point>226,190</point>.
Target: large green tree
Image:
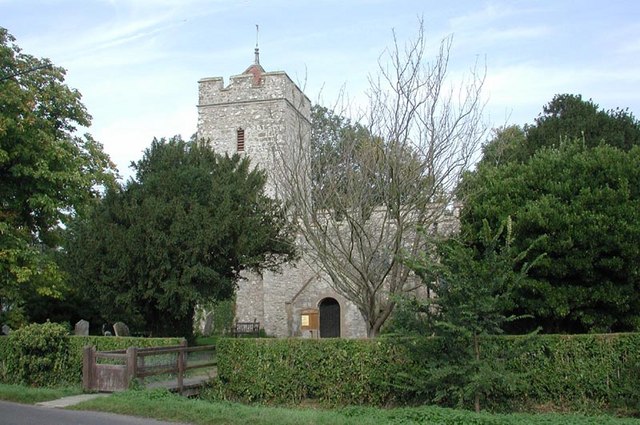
<point>48,173</point>
<point>583,194</point>
<point>566,116</point>
<point>177,235</point>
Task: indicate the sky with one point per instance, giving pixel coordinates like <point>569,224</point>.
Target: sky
<point>137,62</point>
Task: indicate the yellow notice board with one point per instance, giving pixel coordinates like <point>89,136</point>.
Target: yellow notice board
<point>309,319</point>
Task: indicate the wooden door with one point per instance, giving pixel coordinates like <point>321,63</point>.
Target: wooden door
<point>329,318</point>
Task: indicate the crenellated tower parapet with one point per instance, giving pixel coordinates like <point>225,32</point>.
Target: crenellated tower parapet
<point>258,113</point>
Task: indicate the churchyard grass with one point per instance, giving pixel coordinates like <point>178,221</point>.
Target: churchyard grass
<point>161,404</point>
<point>206,340</point>
<point>29,395</point>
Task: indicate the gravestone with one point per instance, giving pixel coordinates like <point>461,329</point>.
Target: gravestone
<point>207,326</point>
<point>121,329</point>
<point>82,328</point>
<point>6,330</point>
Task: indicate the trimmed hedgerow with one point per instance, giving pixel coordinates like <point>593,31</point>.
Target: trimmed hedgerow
<point>45,355</point>
<point>4,352</point>
<point>336,371</point>
<point>597,370</point>
<point>557,371</point>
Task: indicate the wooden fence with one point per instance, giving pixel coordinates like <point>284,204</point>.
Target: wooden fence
<point>109,371</point>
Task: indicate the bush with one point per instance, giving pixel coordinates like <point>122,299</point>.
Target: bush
<point>4,354</point>
<point>582,372</point>
<point>38,355</point>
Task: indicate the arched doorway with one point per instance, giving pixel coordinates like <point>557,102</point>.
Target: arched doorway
<point>329,318</point>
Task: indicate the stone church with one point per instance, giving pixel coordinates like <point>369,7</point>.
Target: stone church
<point>258,114</point>
<point>255,114</point>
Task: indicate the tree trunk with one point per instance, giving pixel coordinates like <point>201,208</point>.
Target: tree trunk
<point>372,331</point>
<point>476,352</point>
<point>374,324</point>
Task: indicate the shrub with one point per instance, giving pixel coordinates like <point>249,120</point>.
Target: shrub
<point>580,371</point>
<point>4,354</point>
<point>38,355</point>
<point>334,372</point>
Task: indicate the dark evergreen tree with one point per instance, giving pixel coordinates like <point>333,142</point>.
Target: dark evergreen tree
<point>178,234</point>
<point>474,285</point>
<point>573,177</point>
<point>566,117</point>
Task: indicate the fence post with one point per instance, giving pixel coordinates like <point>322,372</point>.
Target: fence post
<point>182,359</point>
<point>88,367</point>
<point>132,364</point>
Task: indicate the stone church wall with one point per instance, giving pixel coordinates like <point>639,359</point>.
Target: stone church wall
<point>285,295</point>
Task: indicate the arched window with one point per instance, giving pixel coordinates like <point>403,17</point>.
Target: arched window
<point>240,139</point>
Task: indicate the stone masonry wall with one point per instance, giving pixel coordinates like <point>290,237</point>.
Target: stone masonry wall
<point>286,294</point>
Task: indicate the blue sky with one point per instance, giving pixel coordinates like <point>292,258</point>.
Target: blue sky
<point>137,62</point>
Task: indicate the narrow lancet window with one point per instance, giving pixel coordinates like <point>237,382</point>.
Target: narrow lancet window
<point>240,139</point>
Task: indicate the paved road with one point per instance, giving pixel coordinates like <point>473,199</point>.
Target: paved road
<point>23,414</point>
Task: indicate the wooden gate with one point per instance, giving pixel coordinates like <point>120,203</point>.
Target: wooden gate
<point>109,371</point>
<point>116,375</point>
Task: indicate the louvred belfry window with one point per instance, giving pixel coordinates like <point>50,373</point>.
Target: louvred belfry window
<point>240,139</point>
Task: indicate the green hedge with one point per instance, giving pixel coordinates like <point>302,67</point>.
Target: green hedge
<point>4,353</point>
<point>580,370</point>
<point>332,371</point>
<point>556,371</point>
<point>44,355</point>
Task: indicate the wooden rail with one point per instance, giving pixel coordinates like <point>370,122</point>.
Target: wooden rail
<point>126,365</point>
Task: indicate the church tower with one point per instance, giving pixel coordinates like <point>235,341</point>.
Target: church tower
<point>264,115</point>
<point>258,114</point>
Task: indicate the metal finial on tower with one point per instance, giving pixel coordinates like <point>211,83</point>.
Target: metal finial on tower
<point>257,50</point>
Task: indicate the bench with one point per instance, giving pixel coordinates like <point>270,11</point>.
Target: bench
<point>246,328</point>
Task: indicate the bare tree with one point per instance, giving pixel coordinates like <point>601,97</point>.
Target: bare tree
<point>360,201</point>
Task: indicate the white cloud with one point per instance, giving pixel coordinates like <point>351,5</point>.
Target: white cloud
<point>492,13</point>
<point>137,62</point>
<point>521,90</point>
<point>514,34</point>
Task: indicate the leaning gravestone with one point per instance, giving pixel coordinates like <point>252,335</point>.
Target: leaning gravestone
<point>207,324</point>
<point>121,329</point>
<point>6,330</point>
<point>82,328</point>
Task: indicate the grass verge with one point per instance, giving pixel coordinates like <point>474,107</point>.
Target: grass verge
<point>28,395</point>
<point>161,404</point>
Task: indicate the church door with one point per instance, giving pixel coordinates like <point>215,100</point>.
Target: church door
<point>329,318</point>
